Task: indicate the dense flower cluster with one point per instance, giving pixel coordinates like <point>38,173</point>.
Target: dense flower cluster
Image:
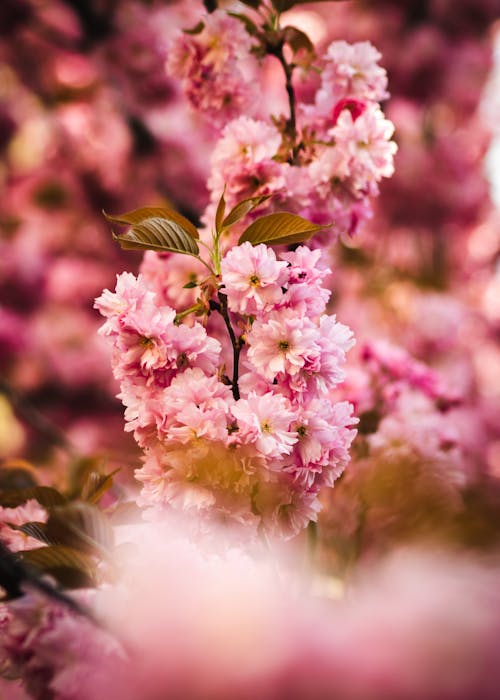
<point>234,381</point>
<point>257,451</point>
<point>345,146</point>
<point>58,654</point>
<point>404,616</point>
<point>216,68</point>
<point>410,410</point>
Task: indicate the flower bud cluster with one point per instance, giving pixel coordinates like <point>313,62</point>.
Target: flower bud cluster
<point>256,448</point>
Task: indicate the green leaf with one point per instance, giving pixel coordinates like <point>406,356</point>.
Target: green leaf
<point>137,216</point>
<point>242,209</point>
<point>251,3</point>
<point>297,40</point>
<point>81,526</point>
<point>158,234</point>
<point>17,474</point>
<point>197,29</point>
<point>33,529</point>
<point>45,495</point>
<point>279,228</point>
<point>219,214</point>
<point>284,5</point>
<point>250,26</point>
<point>96,485</point>
<point>69,567</point>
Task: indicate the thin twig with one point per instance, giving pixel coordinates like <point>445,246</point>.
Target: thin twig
<point>237,343</point>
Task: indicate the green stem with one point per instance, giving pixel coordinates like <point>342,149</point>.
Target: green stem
<point>216,253</point>
<point>312,541</point>
<point>186,312</point>
<point>204,263</point>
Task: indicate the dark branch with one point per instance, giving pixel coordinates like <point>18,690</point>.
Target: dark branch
<point>237,343</point>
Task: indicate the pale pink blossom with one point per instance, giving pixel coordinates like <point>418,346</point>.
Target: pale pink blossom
<point>325,433</point>
<point>265,421</point>
<point>57,653</point>
<point>203,477</point>
<point>331,165</point>
<point>242,161</point>
<point>351,70</point>
<point>253,278</point>
<point>142,401</point>
<point>332,341</point>
<point>195,405</point>
<point>130,292</point>
<point>414,427</point>
<point>366,142</point>
<point>216,68</point>
<point>191,346</point>
<point>390,362</point>
<point>141,340</point>
<point>194,387</point>
<point>283,344</point>
<point>306,266</point>
<point>167,274</point>
<point>287,508</point>
<point>306,276</point>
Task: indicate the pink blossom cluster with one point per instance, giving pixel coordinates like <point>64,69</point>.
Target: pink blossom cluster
<point>215,67</point>
<point>346,146</point>
<point>412,411</point>
<point>256,449</point>
<point>187,624</point>
<point>394,367</point>
<point>57,654</point>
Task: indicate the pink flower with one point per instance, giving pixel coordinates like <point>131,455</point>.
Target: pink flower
<point>305,290</point>
<point>392,363</point>
<point>283,343</point>
<point>265,421</point>
<point>191,346</point>
<point>142,401</point>
<point>252,278</point>
<point>351,70</point>
<point>204,477</point>
<point>331,165</point>
<point>216,67</point>
<point>242,161</point>
<point>366,141</point>
<point>141,340</point>
<point>287,508</point>
<point>305,266</point>
<point>167,274</point>
<point>130,293</point>
<point>195,405</point>
<point>59,654</point>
